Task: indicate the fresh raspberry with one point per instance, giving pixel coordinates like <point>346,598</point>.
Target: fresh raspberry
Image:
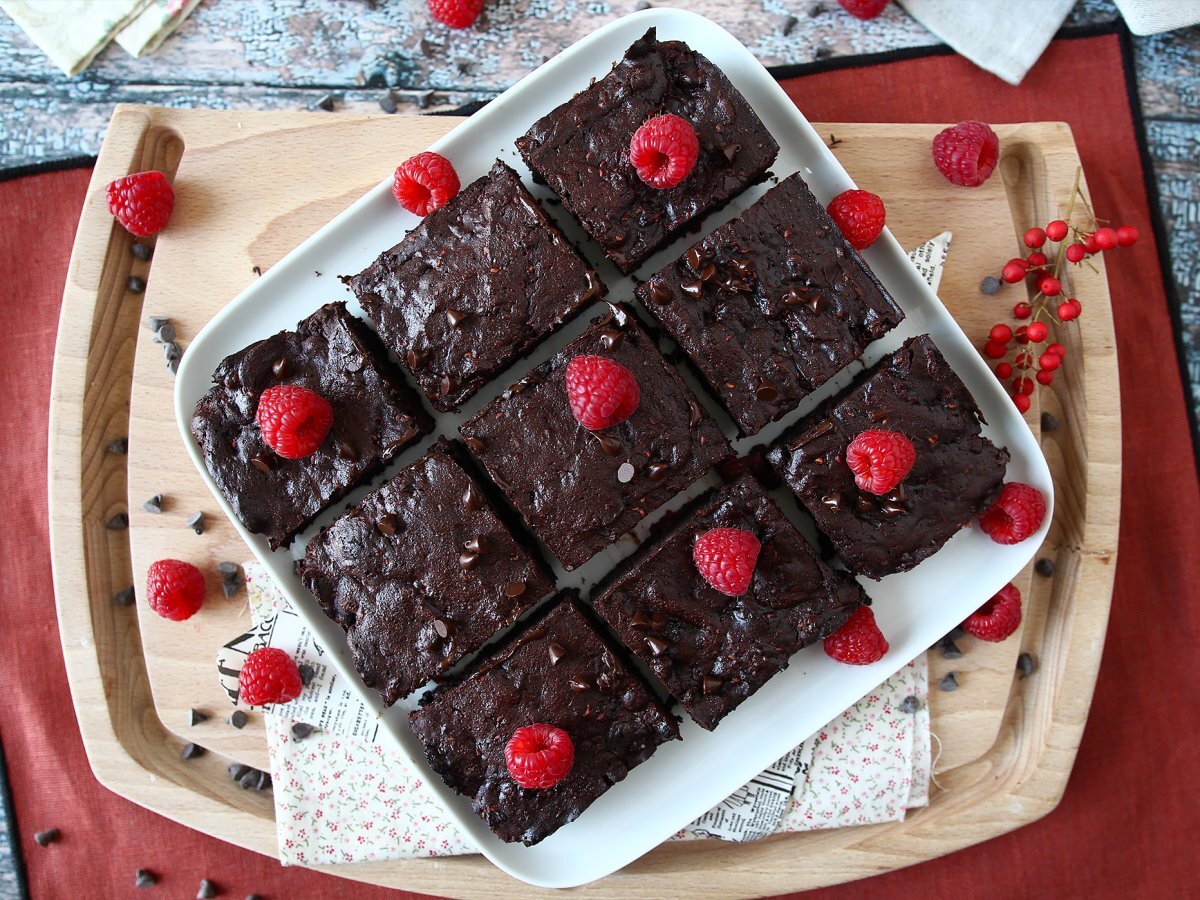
<point>141,202</point>
<point>859,642</point>
<point>880,460</point>
<point>269,675</point>
<point>664,151</point>
<point>539,756</point>
<point>602,393</point>
<point>864,9</point>
<point>1016,514</point>
<point>174,589</point>
<point>998,618</point>
<point>860,215</point>
<point>424,182</point>
<point>725,558</point>
<point>456,13</point>
<point>293,419</point>
<point>966,153</point>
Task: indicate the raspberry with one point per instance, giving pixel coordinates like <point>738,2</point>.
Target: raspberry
<point>664,151</point>
<point>864,9</point>
<point>293,419</point>
<point>269,675</point>
<point>998,618</point>
<point>1057,230</point>
<point>174,589</point>
<point>456,13</point>
<point>966,153</point>
<point>1016,514</point>
<point>860,215</point>
<point>602,393</point>
<point>141,202</point>
<point>859,642</point>
<point>424,182</point>
<point>880,460</point>
<point>725,558</point>
<point>539,756</point>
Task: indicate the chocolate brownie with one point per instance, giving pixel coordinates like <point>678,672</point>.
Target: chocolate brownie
<point>580,490</point>
<point>713,651</point>
<point>560,672</point>
<point>421,572</point>
<point>375,415</point>
<point>581,149</point>
<point>474,287</point>
<point>957,473</point>
<point>771,305</point>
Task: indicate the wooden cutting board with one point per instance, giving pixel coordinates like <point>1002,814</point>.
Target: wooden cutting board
<point>250,187</point>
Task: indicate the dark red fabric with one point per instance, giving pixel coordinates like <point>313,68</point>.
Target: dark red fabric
<point>1127,824</point>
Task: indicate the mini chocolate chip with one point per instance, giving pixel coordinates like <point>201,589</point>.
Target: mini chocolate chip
<point>118,446</point>
<point>144,878</point>
<point>477,445</point>
<point>863,504</point>
<point>610,444</point>
<point>196,522</point>
<point>154,504</point>
<point>195,717</point>
<point>949,683</point>
<point>248,780</point>
<point>950,650</point>
<point>49,836</point>
<point>238,719</point>
<point>557,652</point>
<point>124,597</point>
<point>346,452</point>
<point>475,544</point>
<point>579,685</point>
<point>142,252</point>
<point>165,334</point>
<point>263,782</point>
<point>708,272</point>
<point>657,470</point>
<point>695,258</point>
<point>301,730</point>
<point>280,367</point>
<point>712,684</point>
<point>191,751</point>
<point>1049,423</point>
<point>832,501</point>
<point>989,285</point>
<point>229,588</point>
<point>472,499</point>
<point>307,674</point>
<point>767,392</point>
<point>1044,567</point>
<point>388,524</point>
<point>516,589</point>
<point>639,620</point>
<point>731,151</point>
<point>448,384</point>
<point>228,570</point>
<point>156,322</point>
<point>455,317</point>
<point>694,415</point>
<point>793,297</point>
<point>657,645</point>
<point>171,351</point>
<point>468,560</point>
<point>818,304</point>
<point>118,522</point>
<point>660,293</point>
<point>892,510</point>
<point>1026,665</point>
<point>208,890</point>
<point>135,284</point>
<point>910,704</point>
<point>261,461</point>
<point>237,770</point>
<point>694,289</point>
<point>625,473</point>
<point>610,339</point>
<point>387,104</point>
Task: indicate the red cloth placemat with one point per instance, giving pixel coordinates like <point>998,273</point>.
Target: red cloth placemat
<point>1127,823</point>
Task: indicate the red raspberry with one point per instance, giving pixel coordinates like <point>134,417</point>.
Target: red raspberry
<point>293,419</point>
<point>880,460</point>
<point>424,182</point>
<point>664,151</point>
<point>141,202</point>
<point>860,215</point>
<point>455,13</point>
<point>1127,236</point>
<point>269,675</point>
<point>966,153</point>
<point>174,589</point>
<point>725,558</point>
<point>602,393</point>
<point>539,756</point>
<point>1016,514</point>
<point>859,642</point>
<point>998,618</point>
<point>864,9</point>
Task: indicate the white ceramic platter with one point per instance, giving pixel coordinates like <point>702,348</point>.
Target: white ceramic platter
<point>685,778</point>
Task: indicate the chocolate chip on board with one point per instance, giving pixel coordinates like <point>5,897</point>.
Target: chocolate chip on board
<point>154,504</point>
<point>144,878</point>
<point>301,730</point>
<point>118,522</point>
<point>1044,567</point>
<point>165,334</point>
<point>237,770</point>
<point>1026,665</point>
<point>135,285</point>
<point>47,837</point>
<point>156,322</point>
<point>238,719</point>
<point>119,446</point>
<point>949,683</point>
<point>195,717</point>
<point>124,597</point>
<point>142,251</point>
<point>307,674</point>
<point>910,704</point>
<point>950,650</point>
<point>207,891</point>
<point>196,522</point>
<point>1049,423</point>
<point>230,588</point>
<point>191,751</point>
<point>228,570</point>
<point>989,285</point>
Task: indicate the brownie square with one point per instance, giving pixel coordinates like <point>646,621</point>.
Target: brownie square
<point>957,473</point>
<point>474,287</point>
<point>771,305</point>
<point>579,490</point>
<point>422,572</point>
<point>581,149</point>
<point>560,672</point>
<point>375,415</point>
<point>713,651</point>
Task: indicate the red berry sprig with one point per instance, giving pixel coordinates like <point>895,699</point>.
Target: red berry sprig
<point>1047,272</point>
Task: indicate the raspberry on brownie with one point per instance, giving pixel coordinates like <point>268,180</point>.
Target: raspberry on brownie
<point>474,287</point>
<point>375,415</point>
<point>582,148</point>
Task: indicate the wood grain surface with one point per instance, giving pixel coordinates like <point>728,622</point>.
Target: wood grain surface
<point>1007,744</point>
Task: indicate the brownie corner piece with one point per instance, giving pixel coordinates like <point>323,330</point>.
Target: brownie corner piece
<point>957,472</point>
<point>375,415</point>
<point>474,287</point>
<point>559,671</point>
<point>581,148</point>
<point>422,572</point>
<point>713,651</point>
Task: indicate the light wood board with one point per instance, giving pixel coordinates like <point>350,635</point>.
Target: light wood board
<point>250,186</point>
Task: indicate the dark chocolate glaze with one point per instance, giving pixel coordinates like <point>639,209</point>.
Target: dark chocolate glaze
<point>563,478</point>
<point>957,473</point>
<point>418,577</point>
<point>713,651</point>
<point>771,305</point>
<point>474,287</point>
<point>560,672</point>
<point>581,149</point>
<point>375,415</point>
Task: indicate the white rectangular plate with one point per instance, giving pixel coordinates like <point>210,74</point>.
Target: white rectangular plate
<point>685,778</point>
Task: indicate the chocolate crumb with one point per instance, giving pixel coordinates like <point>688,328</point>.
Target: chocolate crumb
<point>1026,665</point>
<point>154,504</point>
<point>910,704</point>
<point>949,683</point>
<point>119,446</point>
<point>119,522</point>
<point>1044,567</point>
<point>1049,423</point>
<point>256,270</point>
<point>196,522</point>
<point>301,730</point>
<point>238,719</point>
<point>49,836</point>
<point>144,878</point>
<point>195,717</point>
<point>135,285</point>
<point>124,597</point>
<point>207,891</point>
<point>142,252</point>
<point>191,751</point>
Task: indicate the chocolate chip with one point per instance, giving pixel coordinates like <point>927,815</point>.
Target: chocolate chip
<point>238,719</point>
<point>263,782</point>
<point>910,704</point>
<point>949,683</point>
<point>388,524</point>
<point>610,339</point>
<point>196,522</point>
<point>832,501</point>
<point>468,560</point>
<point>47,837</point>
<point>989,285</point>
<point>579,685</point>
<point>1026,665</point>
<point>326,103</point>
<point>642,4</point>
<point>950,650</point>
<point>307,674</point>
<point>1049,423</point>
<point>154,504</point>
<point>516,589</point>
<point>657,470</point>
<point>118,446</point>
<point>863,504</point>
<point>1044,567</point>
<point>955,633</point>
<point>229,588</point>
<point>118,522</point>
<point>712,684</point>
<point>171,351</point>
<point>207,891</point>
<point>787,25</point>
<point>237,770</point>
<point>793,297</point>
<point>892,510</point>
<point>472,499</point>
<point>813,10</point>
<point>248,780</point>
<point>195,717</point>
<point>639,620</point>
<point>262,462</point>
<point>442,628</point>
<point>694,289</point>
<point>767,392</point>
<point>696,259</point>
<point>455,317</point>
<point>557,652</point>
<point>387,104</point>
<point>191,751</point>
<point>694,415</point>
<point>660,293</point>
<point>476,544</point>
<point>657,645</point>
<point>301,730</point>
<point>144,878</point>
<point>124,597</point>
<point>142,252</point>
<point>447,385</point>
<point>610,444</point>
<point>156,322</point>
<point>477,445</point>
<point>730,152</point>
<point>165,334</point>
<point>818,304</point>
<point>228,570</point>
<point>135,285</point>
